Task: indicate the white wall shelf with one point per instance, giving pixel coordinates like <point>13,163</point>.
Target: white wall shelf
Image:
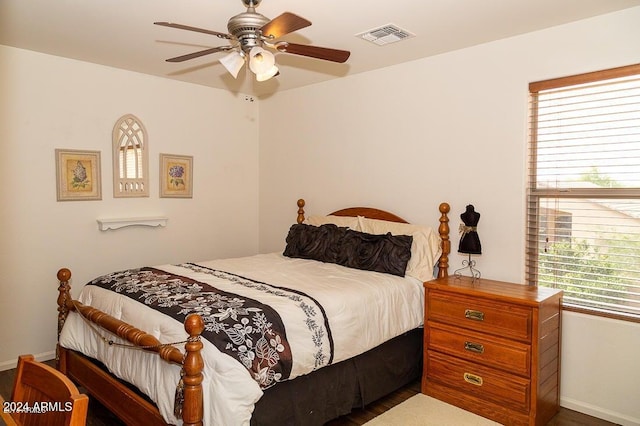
<point>106,224</point>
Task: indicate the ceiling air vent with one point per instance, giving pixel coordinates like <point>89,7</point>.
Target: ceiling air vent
<point>386,34</point>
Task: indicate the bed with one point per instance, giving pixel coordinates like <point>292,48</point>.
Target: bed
<point>120,339</point>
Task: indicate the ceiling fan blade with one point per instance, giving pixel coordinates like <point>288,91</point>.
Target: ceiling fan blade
<point>325,53</point>
<point>284,24</point>
<point>200,53</point>
<point>188,28</point>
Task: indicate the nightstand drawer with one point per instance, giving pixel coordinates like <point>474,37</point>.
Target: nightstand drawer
<point>500,319</point>
<point>510,356</point>
<point>509,391</point>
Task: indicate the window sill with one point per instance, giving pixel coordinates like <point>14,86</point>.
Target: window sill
<point>601,313</point>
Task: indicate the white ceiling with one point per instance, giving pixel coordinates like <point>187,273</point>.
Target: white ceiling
<point>121,33</point>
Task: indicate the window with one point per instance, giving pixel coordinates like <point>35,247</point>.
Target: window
<point>130,158</point>
<point>583,197</point>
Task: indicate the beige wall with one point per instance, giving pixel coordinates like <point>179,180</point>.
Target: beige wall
<point>48,102</point>
<point>452,128</point>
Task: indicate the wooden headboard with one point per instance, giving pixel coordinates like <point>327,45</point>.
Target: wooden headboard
<point>373,213</point>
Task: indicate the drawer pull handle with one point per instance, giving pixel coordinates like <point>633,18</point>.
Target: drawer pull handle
<point>474,347</point>
<point>474,315</point>
<point>473,379</point>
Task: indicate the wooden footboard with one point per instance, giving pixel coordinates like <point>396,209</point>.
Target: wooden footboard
<point>119,398</point>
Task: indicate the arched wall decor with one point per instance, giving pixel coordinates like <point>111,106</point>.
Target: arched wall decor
<point>130,158</point>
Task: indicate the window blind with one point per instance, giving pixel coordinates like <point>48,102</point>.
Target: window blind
<point>583,196</point>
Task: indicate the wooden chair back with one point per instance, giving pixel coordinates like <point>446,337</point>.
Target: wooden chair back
<point>50,397</point>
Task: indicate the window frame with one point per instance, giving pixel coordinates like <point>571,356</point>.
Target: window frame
<point>534,194</point>
<point>130,133</point>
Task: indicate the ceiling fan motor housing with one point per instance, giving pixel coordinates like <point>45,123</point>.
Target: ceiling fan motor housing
<point>245,28</point>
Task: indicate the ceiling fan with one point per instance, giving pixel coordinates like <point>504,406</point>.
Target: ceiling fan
<point>251,34</point>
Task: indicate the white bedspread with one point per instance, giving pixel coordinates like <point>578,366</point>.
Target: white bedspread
<point>364,310</point>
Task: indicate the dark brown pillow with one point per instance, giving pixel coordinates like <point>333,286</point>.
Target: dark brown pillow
<point>320,243</point>
<point>380,253</point>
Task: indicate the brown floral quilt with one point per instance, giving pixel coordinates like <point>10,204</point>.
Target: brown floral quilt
<point>244,328</point>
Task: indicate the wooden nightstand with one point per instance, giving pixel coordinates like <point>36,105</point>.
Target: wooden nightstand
<point>493,348</point>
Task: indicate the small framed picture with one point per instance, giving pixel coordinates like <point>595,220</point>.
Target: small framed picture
<point>78,175</point>
<point>176,176</point>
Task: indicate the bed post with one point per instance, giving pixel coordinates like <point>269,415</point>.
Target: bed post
<point>192,410</point>
<point>443,230</point>
<point>64,300</point>
<point>300,210</point>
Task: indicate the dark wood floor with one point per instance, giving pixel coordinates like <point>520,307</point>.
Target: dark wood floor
<point>100,416</point>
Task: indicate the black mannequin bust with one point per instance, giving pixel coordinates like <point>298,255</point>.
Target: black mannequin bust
<point>470,241</point>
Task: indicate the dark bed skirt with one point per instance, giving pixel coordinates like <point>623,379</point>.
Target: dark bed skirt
<point>333,391</point>
<point>328,393</point>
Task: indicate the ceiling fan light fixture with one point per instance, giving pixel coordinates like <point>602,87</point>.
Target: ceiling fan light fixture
<point>233,62</point>
<point>261,61</point>
<point>267,75</point>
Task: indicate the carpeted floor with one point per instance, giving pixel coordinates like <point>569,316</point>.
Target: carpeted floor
<point>422,410</point>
